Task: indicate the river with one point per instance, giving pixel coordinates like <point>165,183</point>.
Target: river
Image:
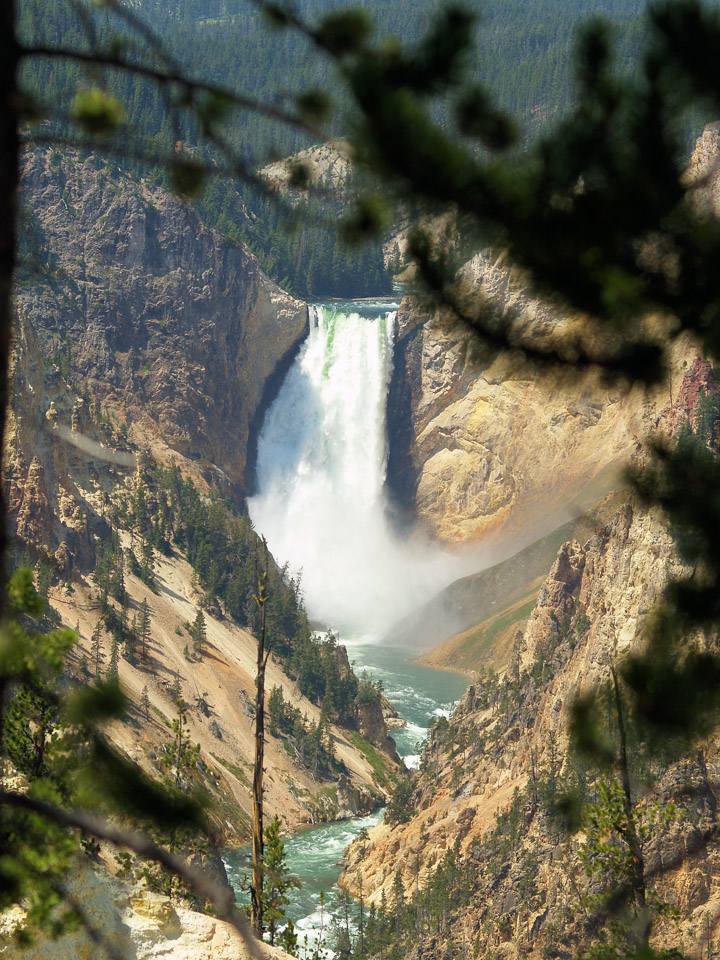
<point>321,503</point>
<point>419,694</point>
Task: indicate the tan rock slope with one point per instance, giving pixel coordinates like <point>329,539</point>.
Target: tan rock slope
<point>612,579</point>
<point>135,925</point>
<point>481,793</point>
<point>219,688</point>
<point>493,451</point>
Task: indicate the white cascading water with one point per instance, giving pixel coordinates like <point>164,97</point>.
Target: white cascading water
<point>322,457</point>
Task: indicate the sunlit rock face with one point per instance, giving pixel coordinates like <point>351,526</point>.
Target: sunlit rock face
<point>129,924</point>
<point>483,447</point>
<point>594,606</point>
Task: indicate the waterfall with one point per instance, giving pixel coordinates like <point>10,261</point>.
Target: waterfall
<point>322,456</point>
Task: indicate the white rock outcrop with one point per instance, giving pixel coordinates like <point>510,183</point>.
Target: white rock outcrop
<point>128,924</point>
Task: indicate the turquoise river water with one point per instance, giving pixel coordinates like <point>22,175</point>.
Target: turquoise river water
<point>419,694</point>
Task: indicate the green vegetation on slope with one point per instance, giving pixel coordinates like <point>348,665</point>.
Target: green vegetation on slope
<point>487,643</point>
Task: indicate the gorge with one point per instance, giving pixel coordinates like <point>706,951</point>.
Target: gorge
<point>321,503</point>
<point>390,462</point>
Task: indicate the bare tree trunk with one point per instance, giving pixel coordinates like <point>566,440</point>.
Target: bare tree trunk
<point>637,876</point>
<point>9,176</point>
<point>256,886</point>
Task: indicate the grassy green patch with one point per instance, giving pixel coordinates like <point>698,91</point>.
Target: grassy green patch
<point>512,616</point>
<point>162,716</point>
<point>478,644</point>
<point>236,770</point>
<point>374,758</point>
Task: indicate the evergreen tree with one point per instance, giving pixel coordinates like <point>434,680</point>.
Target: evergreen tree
<point>288,939</point>
<point>129,645</point>
<point>147,562</point>
<point>139,509</point>
<point>398,903</point>
<point>276,705</point>
<point>113,675</point>
<point>198,632</point>
<point>28,726</point>
<point>277,879</point>
<point>343,938</point>
<point>383,923</point>
<point>143,626</point>
<point>176,689</point>
<point>145,702</point>
<point>117,578</point>
<point>96,650</point>
<point>401,809</point>
<point>185,755</point>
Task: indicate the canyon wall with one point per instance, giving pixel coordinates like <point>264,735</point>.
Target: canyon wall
<point>474,849</point>
<point>136,327</point>
<point>143,338</point>
<point>130,923</point>
<point>482,801</point>
<point>482,796</point>
<point>173,330</point>
<point>487,450</point>
<point>486,447</point>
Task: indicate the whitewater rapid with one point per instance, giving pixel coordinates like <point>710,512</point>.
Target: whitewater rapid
<point>321,469</point>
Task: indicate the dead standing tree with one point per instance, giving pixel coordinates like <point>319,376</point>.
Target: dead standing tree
<point>256,885</point>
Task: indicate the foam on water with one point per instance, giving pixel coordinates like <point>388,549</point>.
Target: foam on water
<point>419,694</point>
<point>314,856</point>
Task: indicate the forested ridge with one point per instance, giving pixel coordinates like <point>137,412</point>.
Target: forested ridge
<point>523,53</point>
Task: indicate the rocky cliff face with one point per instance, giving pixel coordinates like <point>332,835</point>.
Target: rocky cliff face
<point>486,447</point>
<point>131,924</point>
<point>175,332</point>
<point>476,797</point>
<point>141,336</point>
<point>135,326</point>
<point>48,478</point>
<point>326,165</point>
<point>219,691</point>
<point>611,580</point>
<point>480,805</point>
<point>483,448</point>
<point>703,173</point>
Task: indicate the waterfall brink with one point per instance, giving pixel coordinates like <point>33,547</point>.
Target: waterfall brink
<point>321,466</point>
